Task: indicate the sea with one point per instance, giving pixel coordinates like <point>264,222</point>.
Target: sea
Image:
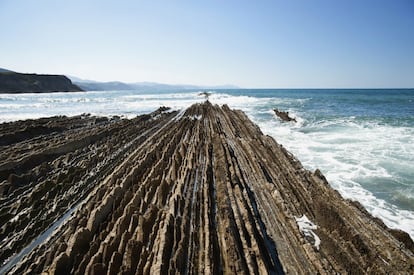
<point>361,139</point>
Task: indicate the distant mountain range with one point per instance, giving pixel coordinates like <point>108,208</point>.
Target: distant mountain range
<point>13,82</point>
<point>91,85</point>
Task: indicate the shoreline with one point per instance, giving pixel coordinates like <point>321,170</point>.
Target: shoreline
<point>203,178</point>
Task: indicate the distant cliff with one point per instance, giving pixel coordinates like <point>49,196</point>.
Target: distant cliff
<point>11,82</point>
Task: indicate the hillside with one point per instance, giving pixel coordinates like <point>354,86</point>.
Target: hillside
<point>2,70</point>
<point>11,82</point>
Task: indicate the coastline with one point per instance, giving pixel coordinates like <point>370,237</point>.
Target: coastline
<point>203,185</point>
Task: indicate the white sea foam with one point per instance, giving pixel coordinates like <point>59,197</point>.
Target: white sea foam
<point>307,227</point>
<point>353,154</point>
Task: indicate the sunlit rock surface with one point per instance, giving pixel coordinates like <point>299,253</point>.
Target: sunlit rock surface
<point>200,191</point>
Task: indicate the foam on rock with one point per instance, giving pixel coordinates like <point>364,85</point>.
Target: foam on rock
<point>307,227</point>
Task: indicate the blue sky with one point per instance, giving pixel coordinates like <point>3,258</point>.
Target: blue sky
<point>279,44</point>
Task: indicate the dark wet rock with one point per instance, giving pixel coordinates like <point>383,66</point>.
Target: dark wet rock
<point>284,115</point>
<point>205,94</point>
<point>200,191</point>
<point>404,238</point>
<point>164,109</point>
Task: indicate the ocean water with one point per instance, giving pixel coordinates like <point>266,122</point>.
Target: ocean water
<point>362,140</point>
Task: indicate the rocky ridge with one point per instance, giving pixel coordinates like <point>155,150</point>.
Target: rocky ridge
<point>199,191</point>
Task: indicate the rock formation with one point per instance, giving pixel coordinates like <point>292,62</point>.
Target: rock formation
<point>284,115</point>
<point>11,82</point>
<point>199,191</point>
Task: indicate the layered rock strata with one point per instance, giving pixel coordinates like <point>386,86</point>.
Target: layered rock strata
<point>200,191</point>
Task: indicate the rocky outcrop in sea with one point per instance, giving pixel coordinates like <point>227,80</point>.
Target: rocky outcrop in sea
<point>284,116</point>
<point>197,191</point>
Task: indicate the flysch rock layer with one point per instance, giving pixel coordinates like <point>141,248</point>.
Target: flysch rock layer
<point>201,191</point>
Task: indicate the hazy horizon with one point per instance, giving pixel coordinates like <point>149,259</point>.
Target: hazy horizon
<point>268,44</point>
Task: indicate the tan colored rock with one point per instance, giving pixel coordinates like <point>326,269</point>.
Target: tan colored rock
<point>201,191</point>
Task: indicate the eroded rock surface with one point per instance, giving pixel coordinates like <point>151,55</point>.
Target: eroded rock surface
<point>200,191</point>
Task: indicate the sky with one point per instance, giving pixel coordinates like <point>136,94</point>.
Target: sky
<point>251,44</point>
